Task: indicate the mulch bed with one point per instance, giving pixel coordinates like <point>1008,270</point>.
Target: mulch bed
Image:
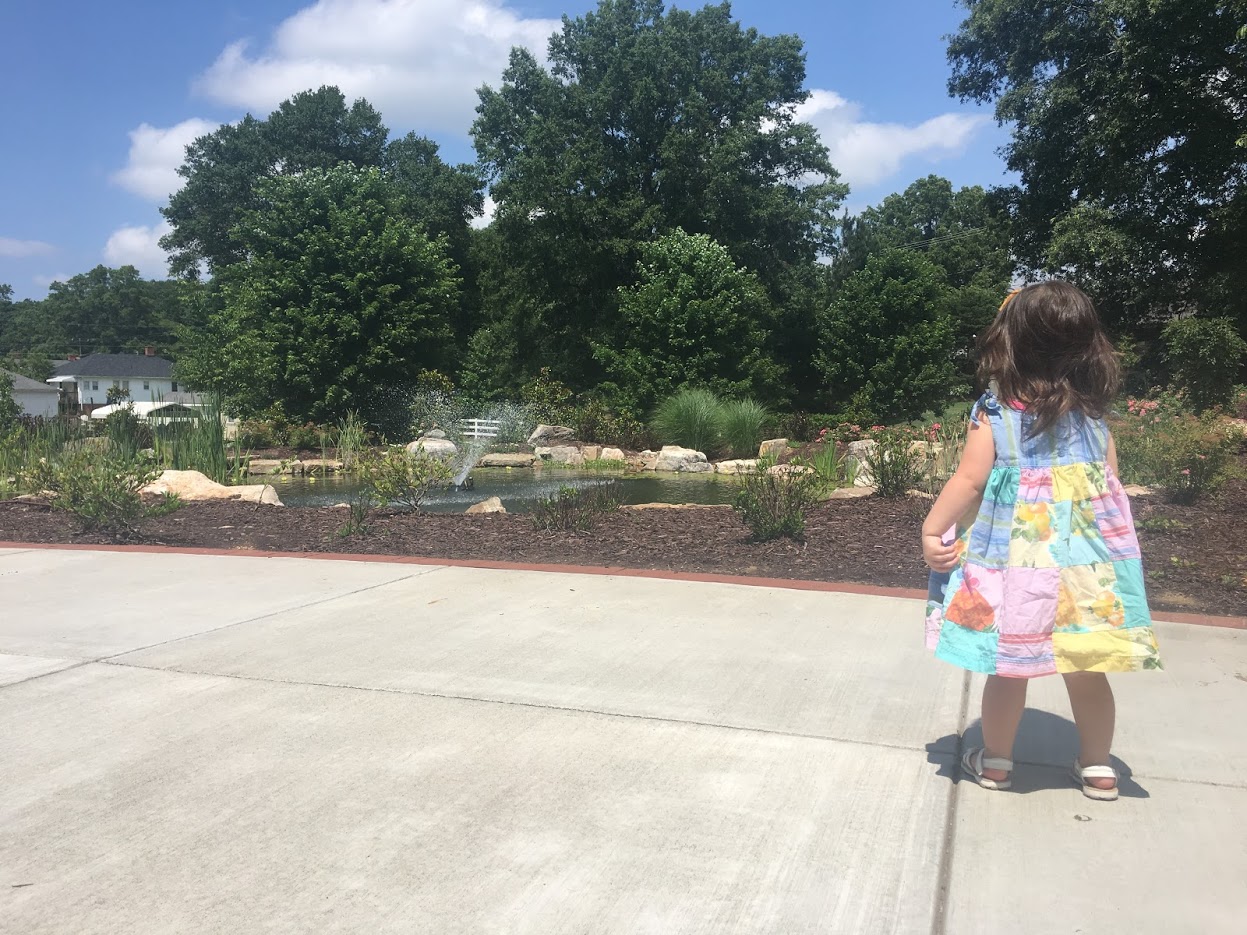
<point>1196,555</point>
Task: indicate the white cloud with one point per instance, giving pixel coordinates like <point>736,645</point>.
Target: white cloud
<point>45,281</point>
<point>155,154</point>
<point>139,246</point>
<point>866,153</point>
<point>23,248</point>
<point>486,218</point>
<point>418,61</point>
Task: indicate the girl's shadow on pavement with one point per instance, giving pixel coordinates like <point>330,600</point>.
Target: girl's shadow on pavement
<point>1045,749</point>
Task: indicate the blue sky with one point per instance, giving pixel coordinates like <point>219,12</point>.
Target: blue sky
<point>103,97</point>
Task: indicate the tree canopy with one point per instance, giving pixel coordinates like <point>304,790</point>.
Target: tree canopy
<point>339,299</point>
<point>646,120</point>
<point>693,319</point>
<point>1125,117</point>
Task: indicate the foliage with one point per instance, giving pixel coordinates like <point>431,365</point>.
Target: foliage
<point>773,504</point>
<point>886,342</point>
<point>691,419</point>
<point>101,489</point>
<point>198,444</point>
<point>116,395</point>
<point>352,440</point>
<point>692,318</point>
<point>1204,355</point>
<point>830,463</point>
<point>104,310</point>
<point>10,411</point>
<point>645,120</point>
<point>743,423</point>
<point>401,478</point>
<point>596,422</point>
<point>549,401</point>
<point>575,509</point>
<point>127,435</point>
<point>895,461</point>
<point>1186,456</point>
<point>964,233</point>
<point>339,298</point>
<point>1125,116</point>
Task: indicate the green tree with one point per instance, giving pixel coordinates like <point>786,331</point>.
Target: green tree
<point>693,319</point>
<point>887,341</point>
<point>646,120</point>
<point>312,130</point>
<point>33,364</point>
<point>961,231</point>
<point>340,299</point>
<point>104,310</point>
<point>1125,116</point>
<point>1204,355</point>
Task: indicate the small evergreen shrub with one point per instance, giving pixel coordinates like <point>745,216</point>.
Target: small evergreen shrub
<point>774,504</point>
<point>1204,355</point>
<point>399,477</point>
<point>575,509</point>
<point>100,488</point>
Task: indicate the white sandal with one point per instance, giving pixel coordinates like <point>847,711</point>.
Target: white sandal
<point>975,761</point>
<point>1080,774</point>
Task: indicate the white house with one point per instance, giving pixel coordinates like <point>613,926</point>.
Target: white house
<point>146,377</point>
<point>35,399</point>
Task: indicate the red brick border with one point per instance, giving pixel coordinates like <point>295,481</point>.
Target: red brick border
<point>792,584</point>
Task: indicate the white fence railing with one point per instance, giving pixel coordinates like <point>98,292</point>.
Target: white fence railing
<point>481,428</point>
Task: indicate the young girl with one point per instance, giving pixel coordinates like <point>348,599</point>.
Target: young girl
<point>1036,567</point>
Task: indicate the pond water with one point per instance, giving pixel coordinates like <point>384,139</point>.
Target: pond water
<point>519,489</point>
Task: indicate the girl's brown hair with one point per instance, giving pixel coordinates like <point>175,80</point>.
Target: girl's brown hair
<point>1047,349</point>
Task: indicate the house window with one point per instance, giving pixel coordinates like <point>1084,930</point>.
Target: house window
<point>147,384</point>
<point>95,384</point>
<point>125,385</point>
<point>175,386</point>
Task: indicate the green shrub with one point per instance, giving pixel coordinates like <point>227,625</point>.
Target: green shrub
<point>101,489</point>
<point>830,465</point>
<point>744,423</point>
<point>548,400</point>
<point>595,421</point>
<point>401,478</point>
<point>10,411</point>
<point>575,509</point>
<point>1186,456</point>
<point>1204,355</point>
<point>352,440</point>
<point>894,462</point>
<point>691,419</point>
<point>126,434</point>
<point>774,505</point>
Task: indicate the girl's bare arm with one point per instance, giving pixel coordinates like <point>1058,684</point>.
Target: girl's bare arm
<point>961,492</point>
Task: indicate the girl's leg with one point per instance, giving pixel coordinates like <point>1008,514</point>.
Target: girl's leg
<point>1095,713</point>
<point>1003,702</point>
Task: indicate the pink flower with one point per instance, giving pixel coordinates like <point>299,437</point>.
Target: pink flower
<point>935,426</point>
<point>1186,472</point>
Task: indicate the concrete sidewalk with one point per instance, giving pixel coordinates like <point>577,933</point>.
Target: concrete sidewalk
<point>198,744</point>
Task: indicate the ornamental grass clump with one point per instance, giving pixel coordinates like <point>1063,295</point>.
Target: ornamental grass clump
<point>692,419</point>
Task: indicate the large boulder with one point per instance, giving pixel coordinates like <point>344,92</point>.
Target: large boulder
<point>857,453</point>
<point>561,454</point>
<point>439,448</point>
<point>675,459</point>
<point>738,466</point>
<point>549,435</point>
<point>591,452</point>
<point>790,469</point>
<point>492,505</point>
<point>613,454</point>
<point>772,448</point>
<point>504,460</point>
<point>192,485</point>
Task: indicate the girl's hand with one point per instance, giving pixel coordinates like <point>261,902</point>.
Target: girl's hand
<point>938,556</point>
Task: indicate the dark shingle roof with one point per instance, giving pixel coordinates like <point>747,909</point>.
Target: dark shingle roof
<point>116,365</point>
<point>26,384</point>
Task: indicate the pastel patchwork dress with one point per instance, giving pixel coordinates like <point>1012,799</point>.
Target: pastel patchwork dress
<point>1049,578</point>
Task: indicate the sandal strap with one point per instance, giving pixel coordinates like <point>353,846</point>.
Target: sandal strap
<point>980,761</point>
<point>1097,772</point>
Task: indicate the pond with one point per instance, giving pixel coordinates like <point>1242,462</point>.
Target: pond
<point>519,490</point>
